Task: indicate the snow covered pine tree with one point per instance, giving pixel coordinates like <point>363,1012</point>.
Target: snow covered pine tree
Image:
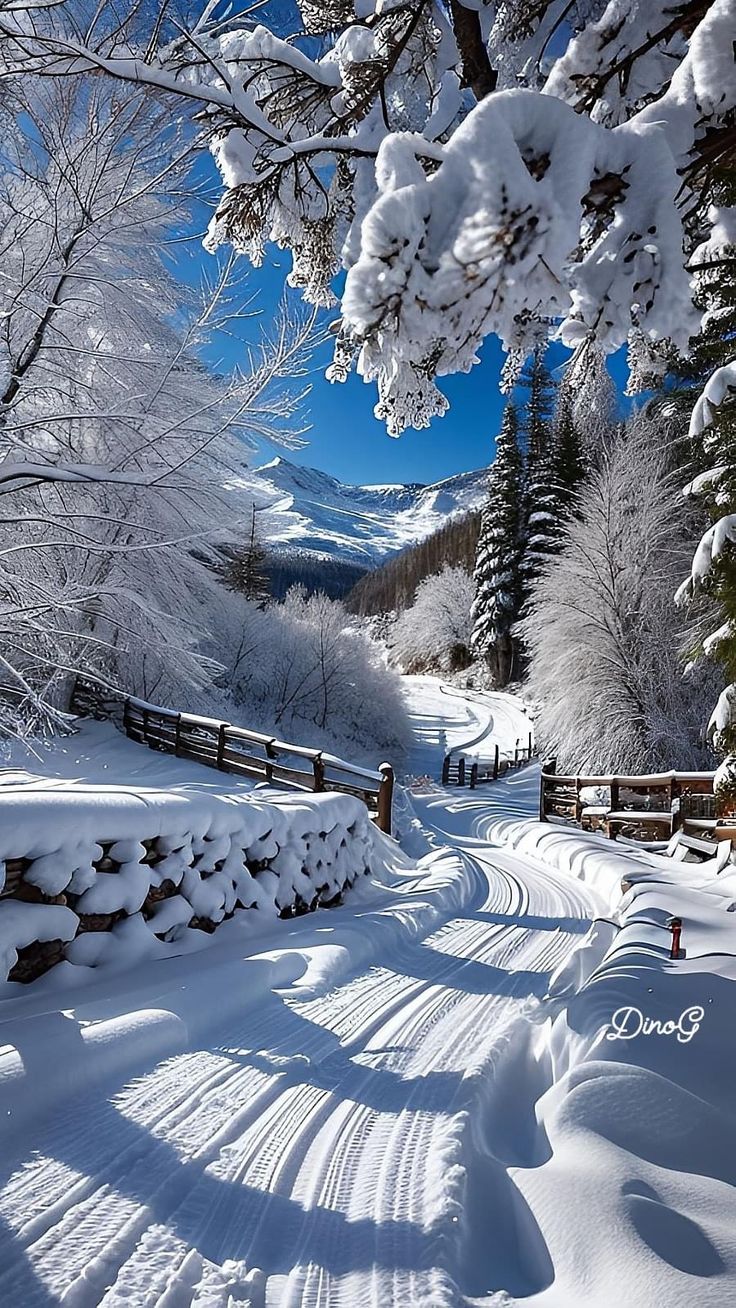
<point>245,568</point>
<point>497,575</point>
<point>541,501</point>
<point>570,448</point>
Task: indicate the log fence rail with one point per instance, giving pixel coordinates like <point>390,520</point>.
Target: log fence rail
<point>657,805</point>
<point>242,752</point>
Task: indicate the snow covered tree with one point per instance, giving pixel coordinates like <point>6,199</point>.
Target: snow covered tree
<point>604,641</point>
<point>542,493</point>
<point>517,169</point>
<point>713,447</point>
<point>497,577</point>
<point>569,446</point>
<point>305,670</point>
<point>115,440</point>
<point>475,169</point>
<point>245,570</point>
<point>435,633</point>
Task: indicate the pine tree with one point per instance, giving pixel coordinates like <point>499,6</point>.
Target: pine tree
<point>570,461</point>
<point>497,580</point>
<point>711,349</point>
<point>245,569</point>
<point>541,516</point>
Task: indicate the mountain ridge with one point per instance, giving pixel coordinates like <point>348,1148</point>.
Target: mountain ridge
<point>302,509</point>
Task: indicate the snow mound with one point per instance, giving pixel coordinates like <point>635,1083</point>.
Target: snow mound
<point>108,875</point>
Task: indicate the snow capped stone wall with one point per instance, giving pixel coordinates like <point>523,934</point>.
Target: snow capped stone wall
<point>104,874</point>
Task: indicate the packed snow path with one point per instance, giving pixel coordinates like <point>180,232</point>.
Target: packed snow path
<point>341,1140</point>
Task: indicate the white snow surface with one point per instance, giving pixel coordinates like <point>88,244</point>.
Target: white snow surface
<point>307,510</point>
<point>409,1100</point>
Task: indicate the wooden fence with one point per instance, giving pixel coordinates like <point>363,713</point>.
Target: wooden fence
<point>457,772</point>
<point>236,750</point>
<point>641,807</point>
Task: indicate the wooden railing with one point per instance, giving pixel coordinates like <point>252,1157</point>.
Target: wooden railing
<point>457,772</point>
<point>661,803</point>
<point>247,753</point>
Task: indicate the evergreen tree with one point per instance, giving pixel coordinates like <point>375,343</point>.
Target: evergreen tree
<point>570,462</point>
<point>714,449</point>
<point>245,569</point>
<point>497,580</point>
<point>541,500</point>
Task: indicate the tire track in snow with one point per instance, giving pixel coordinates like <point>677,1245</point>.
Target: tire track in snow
<point>314,1153</point>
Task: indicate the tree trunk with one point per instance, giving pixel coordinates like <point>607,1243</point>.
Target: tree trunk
<point>477,71</point>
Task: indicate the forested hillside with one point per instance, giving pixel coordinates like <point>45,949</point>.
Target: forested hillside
<point>393,586</point>
<point>334,577</point>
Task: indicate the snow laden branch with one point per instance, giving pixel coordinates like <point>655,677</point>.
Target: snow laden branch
<point>468,180</point>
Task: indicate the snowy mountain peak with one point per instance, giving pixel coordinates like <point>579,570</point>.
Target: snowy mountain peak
<point>304,509</point>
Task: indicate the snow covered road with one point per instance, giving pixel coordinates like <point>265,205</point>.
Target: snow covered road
<point>374,1107</point>
<point>316,1140</point>
<point>335,1129</point>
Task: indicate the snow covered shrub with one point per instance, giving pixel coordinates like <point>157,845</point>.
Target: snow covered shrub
<point>435,632</point>
<point>305,670</point>
<point>605,641</point>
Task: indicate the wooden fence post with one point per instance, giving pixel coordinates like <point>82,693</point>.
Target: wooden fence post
<point>473,775</point>
<point>549,767</point>
<point>318,769</point>
<point>446,769</point>
<point>614,807</point>
<point>385,798</point>
<point>495,763</point>
<point>578,805</point>
<point>177,736</point>
<point>126,717</point>
<point>531,745</point>
<point>270,754</point>
<point>675,804</point>
<point>221,744</point>
<point>461,772</point>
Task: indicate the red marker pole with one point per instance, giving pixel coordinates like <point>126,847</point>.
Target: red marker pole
<point>675,925</point>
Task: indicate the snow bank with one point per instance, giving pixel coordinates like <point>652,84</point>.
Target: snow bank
<point>586,856</point>
<point>632,1143</point>
<point>103,874</point>
<point>639,1119</point>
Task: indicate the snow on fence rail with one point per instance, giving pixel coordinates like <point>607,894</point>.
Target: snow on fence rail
<point>456,772</point>
<point>661,803</point>
<point>250,753</point>
<point>105,875</point>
